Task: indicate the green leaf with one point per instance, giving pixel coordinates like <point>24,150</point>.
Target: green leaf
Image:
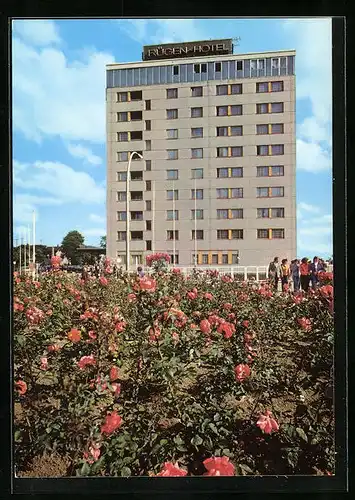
<point>181,448</point>
<point>245,469</point>
<point>213,427</point>
<point>227,452</point>
<point>85,469</point>
<point>302,434</point>
<point>163,442</point>
<point>178,440</point>
<point>126,472</point>
<point>17,436</point>
<point>196,440</point>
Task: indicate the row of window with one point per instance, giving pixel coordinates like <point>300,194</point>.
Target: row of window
<point>198,214</point>
<point>221,152</point>
<point>230,89</point>
<point>222,234</point>
<point>197,132</point>
<point>211,258</point>
<point>197,112</point>
<point>222,193</point>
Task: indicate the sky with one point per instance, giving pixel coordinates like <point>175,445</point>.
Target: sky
<point>58,86</point>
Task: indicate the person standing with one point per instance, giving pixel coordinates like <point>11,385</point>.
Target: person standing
<point>140,272</point>
<point>285,273</point>
<point>295,273</point>
<point>315,267</point>
<point>274,272</point>
<point>304,274</point>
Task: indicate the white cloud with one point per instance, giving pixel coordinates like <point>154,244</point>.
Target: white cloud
<point>308,208</point>
<point>94,232</point>
<point>58,180</point>
<point>79,151</point>
<point>53,96</point>
<point>310,128</point>
<point>314,230</point>
<point>311,157</point>
<point>97,218</point>
<point>37,31</point>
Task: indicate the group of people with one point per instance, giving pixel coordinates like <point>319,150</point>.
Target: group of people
<point>303,273</point>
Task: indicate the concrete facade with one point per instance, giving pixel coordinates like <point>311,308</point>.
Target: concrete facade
<point>248,248</point>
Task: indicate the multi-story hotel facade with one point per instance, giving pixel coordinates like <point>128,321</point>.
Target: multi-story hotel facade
<point>216,184</point>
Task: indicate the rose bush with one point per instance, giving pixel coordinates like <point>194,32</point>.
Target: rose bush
<point>169,375</point>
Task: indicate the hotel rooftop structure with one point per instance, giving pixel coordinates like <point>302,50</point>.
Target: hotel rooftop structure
<point>214,178</point>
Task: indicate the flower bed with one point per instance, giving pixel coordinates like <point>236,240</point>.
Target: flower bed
<point>171,376</point>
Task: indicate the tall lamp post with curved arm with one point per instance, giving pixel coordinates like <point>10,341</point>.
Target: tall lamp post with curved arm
<point>127,207</point>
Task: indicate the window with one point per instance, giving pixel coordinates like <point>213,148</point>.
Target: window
<point>148,226</point>
<point>122,156</point>
<point>217,67</point>
<point>136,175</point>
<point>170,214</point>
<point>172,133</point>
<point>237,234</point>
<point>148,205</point>
<point>222,131</point>
<point>148,244</point>
<point>122,96</point>
<point>136,115</point>
<point>197,153</point>
<point>236,88</point>
<point>197,213</point>
<point>236,172</point>
<point>121,216</point>
<point>222,234</point>
<point>262,129</point>
<point>277,107</point>
<point>262,150</point>
<point>239,65</point>
<point>199,194</point>
<point>122,117</point>
<point>262,87</point>
<point>148,125</point>
<point>122,136</point>
<point>236,213</point>
<point>222,193</point>
<point>136,235</point>
<point>235,258</point>
<point>262,171</point>
<point>197,173</point>
<point>222,90</point>
<point>196,68</point>
<point>148,165</point>
<point>263,234</point>
<point>170,236</point>
<point>198,235</point>
<point>171,93</point>
<point>121,196</point>
<point>262,192</point>
<point>224,258</point>
<point>136,95</point>
<point>262,109</point>
<point>170,194</point>
<point>148,105</point>
<point>205,258</point>
<point>203,68</point>
<point>197,132</point>
<point>222,213</point>
<point>278,213</point>
<point>136,195</point>
<point>215,258</point>
<point>236,130</point>
<point>137,215</point>
<point>196,91</point>
<point>148,185</point>
<point>277,86</point>
<point>121,176</point>
<point>175,70</point>
<point>174,259</point>
<point>148,145</point>
<point>237,151</point>
<point>121,235</point>
<point>277,149</point>
<point>262,213</point>
<point>172,174</point>
<point>172,154</point>
<point>236,193</point>
<point>236,110</point>
<point>277,233</point>
<point>222,152</point>
<point>222,173</point>
<point>277,191</point>
<point>196,112</point>
<point>277,128</point>
<point>137,136</point>
<point>222,110</point>
<point>277,171</point>
<point>171,114</point>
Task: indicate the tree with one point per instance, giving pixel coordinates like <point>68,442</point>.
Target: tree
<point>103,242</point>
<point>70,244</point>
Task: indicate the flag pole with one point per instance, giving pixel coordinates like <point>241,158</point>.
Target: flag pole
<point>34,243</point>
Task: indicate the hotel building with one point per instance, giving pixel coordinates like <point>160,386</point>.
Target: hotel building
<point>216,184</point>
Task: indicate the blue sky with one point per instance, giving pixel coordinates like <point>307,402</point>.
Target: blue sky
<point>59,114</point>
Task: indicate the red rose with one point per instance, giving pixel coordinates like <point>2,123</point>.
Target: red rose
<point>114,373</point>
<point>103,281</point>
<point>227,306</point>
<point>192,295</point>
<point>241,372</point>
<point>21,387</point>
<point>246,323</point>
<point>171,470</point>
<point>305,323</point>
<point>208,296</point>
<point>205,326</point>
<point>148,284</point>
<point>112,422</point>
<point>132,297</point>
<point>74,335</point>
<point>85,361</point>
<point>219,466</point>
<point>267,424</point>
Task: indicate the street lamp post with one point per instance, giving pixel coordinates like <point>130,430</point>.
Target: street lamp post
<point>127,207</point>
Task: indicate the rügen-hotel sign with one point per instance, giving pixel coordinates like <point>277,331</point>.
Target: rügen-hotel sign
<point>189,49</point>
